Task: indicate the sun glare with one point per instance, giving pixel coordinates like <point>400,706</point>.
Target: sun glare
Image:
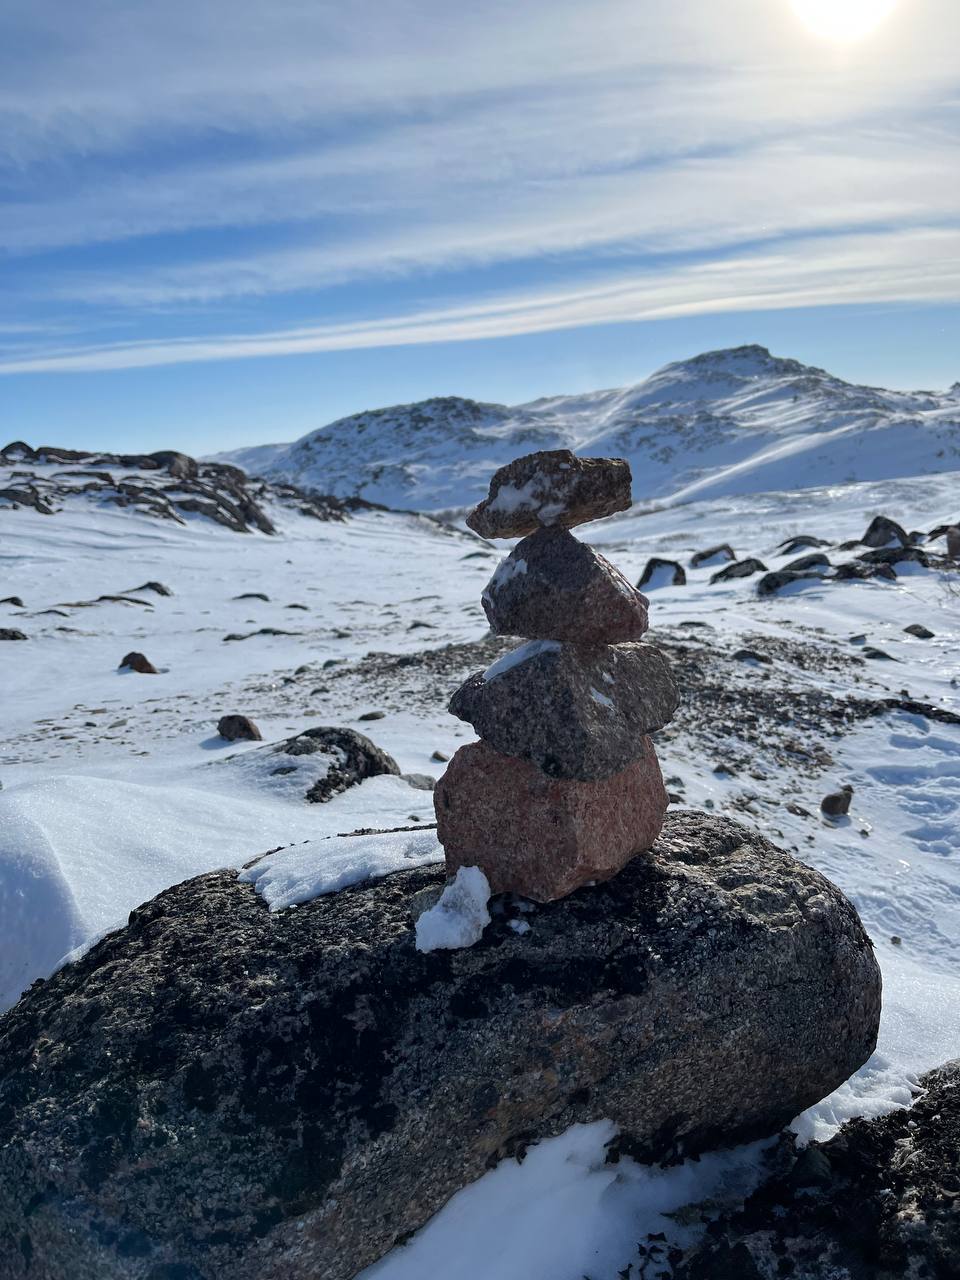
<point>842,20</point>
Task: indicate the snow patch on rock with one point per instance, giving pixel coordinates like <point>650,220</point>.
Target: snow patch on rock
<point>459,917</point>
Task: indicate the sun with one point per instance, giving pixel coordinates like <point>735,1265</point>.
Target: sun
<point>843,20</point>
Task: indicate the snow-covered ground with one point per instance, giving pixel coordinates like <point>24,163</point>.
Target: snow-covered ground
<point>116,785</point>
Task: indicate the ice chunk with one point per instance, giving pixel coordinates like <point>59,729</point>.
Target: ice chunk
<point>460,916</point>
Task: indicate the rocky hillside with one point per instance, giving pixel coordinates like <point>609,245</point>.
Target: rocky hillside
<point>166,485</point>
<point>723,423</point>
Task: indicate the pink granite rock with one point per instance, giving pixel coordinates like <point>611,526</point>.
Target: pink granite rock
<point>543,837</point>
<point>552,487</point>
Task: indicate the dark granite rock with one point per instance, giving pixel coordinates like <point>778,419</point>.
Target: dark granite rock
<point>14,600</point>
<point>816,560</point>
<point>894,555</point>
<point>791,545</point>
<point>919,630</point>
<point>11,633</point>
<point>713,555</point>
<point>837,803</point>
<point>879,1201</point>
<point>657,568</point>
<point>238,729</point>
<point>863,571</point>
<point>138,662</point>
<point>553,487</point>
<point>350,757</point>
<point>882,531</point>
<point>554,587</point>
<point>158,588</point>
<point>771,583</point>
<point>573,713</point>
<point>741,569</point>
<point>545,837</point>
<point>224,1093</point>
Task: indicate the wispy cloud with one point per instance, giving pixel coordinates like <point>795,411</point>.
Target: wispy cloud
<point>917,266</point>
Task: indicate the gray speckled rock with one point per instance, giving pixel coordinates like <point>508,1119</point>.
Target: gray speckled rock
<point>220,1093</point>
<point>574,713</point>
<point>552,487</point>
<point>554,587</point>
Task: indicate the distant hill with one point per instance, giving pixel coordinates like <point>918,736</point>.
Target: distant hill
<point>726,422</point>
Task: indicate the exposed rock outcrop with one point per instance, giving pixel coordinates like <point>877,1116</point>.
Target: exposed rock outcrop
<point>224,1093</point>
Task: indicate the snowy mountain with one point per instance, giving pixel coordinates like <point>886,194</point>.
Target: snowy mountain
<point>727,422</point>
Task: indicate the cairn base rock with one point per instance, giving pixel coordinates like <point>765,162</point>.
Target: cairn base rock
<point>224,1093</point>
<point>545,837</point>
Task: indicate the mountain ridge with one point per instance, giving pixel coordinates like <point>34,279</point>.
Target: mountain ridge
<point>734,420</point>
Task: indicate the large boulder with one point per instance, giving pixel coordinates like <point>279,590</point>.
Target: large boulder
<point>218,1092</point>
<point>552,487</point>
<point>573,713</point>
<point>554,587</point>
<point>880,1201</point>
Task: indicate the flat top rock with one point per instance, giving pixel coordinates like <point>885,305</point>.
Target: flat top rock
<point>574,713</point>
<point>552,487</point>
<point>222,1092</point>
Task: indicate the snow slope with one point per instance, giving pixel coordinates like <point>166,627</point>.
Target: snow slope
<point>727,422</point>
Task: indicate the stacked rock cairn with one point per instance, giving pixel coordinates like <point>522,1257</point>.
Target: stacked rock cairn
<point>564,787</point>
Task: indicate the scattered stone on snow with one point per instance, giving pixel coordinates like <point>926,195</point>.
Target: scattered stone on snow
<point>772,583</point>
<point>14,600</point>
<point>253,595</point>
<point>220,1091</point>
<point>882,532</point>
<point>816,560</point>
<point>138,662</point>
<point>372,715</point>
<point>862,570</point>
<point>420,781</point>
<point>157,588</point>
<point>740,569</point>
<point>953,542</point>
<point>791,545</point>
<point>877,654</point>
<point>837,803</point>
<point>440,756</point>
<point>552,487</point>
<point>919,630</point>
<point>11,633</point>
<point>662,573</point>
<point>354,757</point>
<point>712,556</point>
<point>237,728</point>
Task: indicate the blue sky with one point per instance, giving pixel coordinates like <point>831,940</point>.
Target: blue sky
<point>226,223</point>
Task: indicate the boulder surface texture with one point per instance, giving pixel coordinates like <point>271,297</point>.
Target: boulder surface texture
<point>538,836</point>
<point>574,713</point>
<point>217,1092</point>
<point>554,587</point>
<point>880,1201</point>
<point>551,487</point>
